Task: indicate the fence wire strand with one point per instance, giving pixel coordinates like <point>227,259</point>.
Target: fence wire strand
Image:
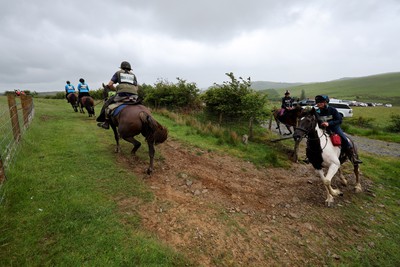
<point>9,140</point>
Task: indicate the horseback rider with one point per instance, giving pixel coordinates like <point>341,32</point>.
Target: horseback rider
<point>330,119</point>
<point>126,89</point>
<point>69,89</point>
<point>83,89</point>
<point>287,103</point>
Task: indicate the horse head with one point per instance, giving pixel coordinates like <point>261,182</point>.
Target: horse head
<point>306,123</point>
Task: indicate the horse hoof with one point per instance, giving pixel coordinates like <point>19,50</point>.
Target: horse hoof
<point>358,189</point>
<point>149,171</point>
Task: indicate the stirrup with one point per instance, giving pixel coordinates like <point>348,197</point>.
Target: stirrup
<point>103,125</point>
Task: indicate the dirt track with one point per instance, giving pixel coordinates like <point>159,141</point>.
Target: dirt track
<point>221,211</point>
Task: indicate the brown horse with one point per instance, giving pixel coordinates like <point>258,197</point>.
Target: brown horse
<point>87,102</point>
<point>289,119</point>
<point>136,119</point>
<point>73,99</point>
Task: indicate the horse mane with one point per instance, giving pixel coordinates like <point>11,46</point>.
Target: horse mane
<point>153,131</point>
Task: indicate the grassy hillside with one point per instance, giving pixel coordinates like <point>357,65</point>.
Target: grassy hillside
<point>262,85</point>
<point>384,88</point>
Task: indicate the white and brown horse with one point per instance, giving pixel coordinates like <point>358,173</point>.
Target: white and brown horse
<point>322,153</point>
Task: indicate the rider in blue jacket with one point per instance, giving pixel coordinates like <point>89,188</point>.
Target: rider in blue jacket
<point>330,119</point>
<point>69,88</point>
<point>83,89</point>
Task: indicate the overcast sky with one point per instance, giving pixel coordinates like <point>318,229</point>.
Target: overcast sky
<point>43,43</point>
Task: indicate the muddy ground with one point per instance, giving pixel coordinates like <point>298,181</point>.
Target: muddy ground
<point>222,211</point>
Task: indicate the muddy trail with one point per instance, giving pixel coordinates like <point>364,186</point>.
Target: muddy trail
<point>222,211</point>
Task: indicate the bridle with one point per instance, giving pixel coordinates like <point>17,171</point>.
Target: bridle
<point>307,136</point>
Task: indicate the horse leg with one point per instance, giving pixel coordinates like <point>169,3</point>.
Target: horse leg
<point>290,131</point>
<point>357,188</point>
<point>136,144</point>
<point>296,150</point>
<point>278,127</point>
<point>151,155</point>
<point>116,136</point>
<point>326,179</point>
<point>343,179</point>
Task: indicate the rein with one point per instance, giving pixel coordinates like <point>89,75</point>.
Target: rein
<point>306,134</point>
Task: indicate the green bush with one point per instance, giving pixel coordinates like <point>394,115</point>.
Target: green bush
<point>394,124</point>
<point>362,122</point>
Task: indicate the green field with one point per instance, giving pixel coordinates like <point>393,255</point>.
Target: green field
<point>383,88</point>
<point>380,115</point>
<point>58,206</point>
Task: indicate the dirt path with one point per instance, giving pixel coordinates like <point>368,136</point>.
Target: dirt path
<point>222,211</point>
<point>377,147</point>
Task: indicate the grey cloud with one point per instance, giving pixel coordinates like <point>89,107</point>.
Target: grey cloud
<point>45,42</point>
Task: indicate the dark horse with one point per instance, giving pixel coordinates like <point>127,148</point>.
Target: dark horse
<point>322,153</point>
<point>87,102</point>
<point>135,119</point>
<point>73,99</point>
<point>289,119</point>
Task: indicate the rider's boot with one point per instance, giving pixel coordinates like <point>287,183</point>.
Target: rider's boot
<point>353,156</point>
<point>104,125</point>
<point>102,116</point>
<point>103,119</point>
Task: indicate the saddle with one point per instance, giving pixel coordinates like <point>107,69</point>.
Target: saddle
<point>114,108</point>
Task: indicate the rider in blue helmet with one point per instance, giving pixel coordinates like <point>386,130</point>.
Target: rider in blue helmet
<point>330,119</point>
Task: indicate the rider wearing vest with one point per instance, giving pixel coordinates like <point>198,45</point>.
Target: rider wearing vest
<point>287,103</point>
<point>330,119</point>
<point>69,89</point>
<point>83,89</point>
<point>126,88</point>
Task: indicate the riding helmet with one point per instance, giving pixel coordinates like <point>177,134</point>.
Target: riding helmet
<point>68,82</point>
<point>125,65</point>
<point>81,80</point>
<point>321,98</point>
<point>287,92</point>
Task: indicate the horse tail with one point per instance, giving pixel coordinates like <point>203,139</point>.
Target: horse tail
<point>154,132</point>
<point>89,105</point>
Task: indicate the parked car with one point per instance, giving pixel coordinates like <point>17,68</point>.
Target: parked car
<point>344,109</point>
<point>307,102</point>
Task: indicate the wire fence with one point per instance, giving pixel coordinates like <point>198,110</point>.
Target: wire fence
<point>16,115</point>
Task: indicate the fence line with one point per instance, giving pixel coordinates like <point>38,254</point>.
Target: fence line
<point>12,127</point>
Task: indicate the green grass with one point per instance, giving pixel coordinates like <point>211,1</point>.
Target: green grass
<point>59,202</point>
<point>376,88</point>
<point>379,215</point>
<point>372,122</point>
<point>59,205</point>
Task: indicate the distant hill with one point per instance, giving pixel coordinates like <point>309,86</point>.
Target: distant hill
<point>261,85</point>
<point>384,88</point>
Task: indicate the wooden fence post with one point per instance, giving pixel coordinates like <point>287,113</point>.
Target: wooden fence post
<point>14,116</point>
<point>2,172</point>
<point>25,108</point>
